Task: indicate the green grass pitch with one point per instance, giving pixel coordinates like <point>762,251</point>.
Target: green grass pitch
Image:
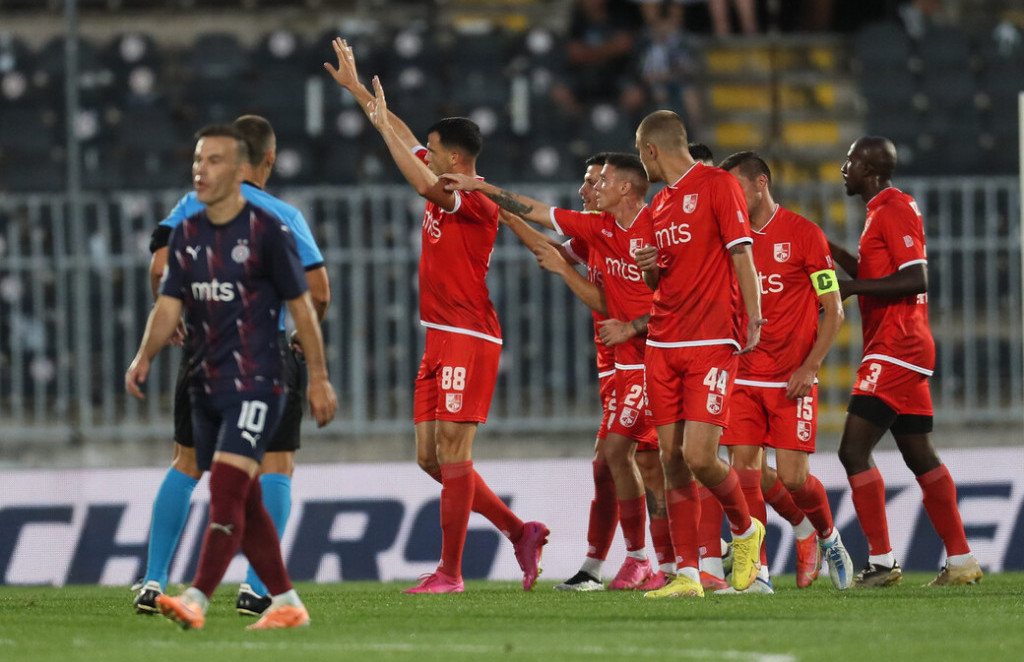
<point>498,621</point>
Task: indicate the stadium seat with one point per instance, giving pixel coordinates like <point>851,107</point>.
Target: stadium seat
<point>217,55</point>
<point>880,46</point>
<point>280,52</point>
<point>944,47</point>
<point>26,129</point>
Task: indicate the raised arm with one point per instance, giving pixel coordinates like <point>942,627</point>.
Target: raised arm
<point>746,275</point>
<point>844,259</point>
<point>347,76</point>
<point>550,258</point>
<point>520,205</point>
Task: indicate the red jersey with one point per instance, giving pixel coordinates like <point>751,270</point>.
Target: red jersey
<point>579,250</point>
<point>793,263</point>
<point>895,330</point>
<point>627,295</point>
<point>695,223</point>
<point>454,258</point>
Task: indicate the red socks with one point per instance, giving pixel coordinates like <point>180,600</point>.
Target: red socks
<point>750,485</point>
<point>487,503</point>
<point>683,516</point>
<point>734,504</point>
<point>633,517</point>
<point>662,539</point>
<point>813,502</point>
<point>229,490</point>
<point>604,513</point>
<point>709,530</point>
<point>869,502</point>
<point>457,487</point>
<point>940,504</point>
<point>781,501</point>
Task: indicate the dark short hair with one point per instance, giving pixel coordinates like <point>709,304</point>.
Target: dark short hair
<point>258,135</point>
<point>459,133</point>
<point>750,164</point>
<point>226,131</point>
<point>701,152</point>
<point>596,159</point>
<point>633,167</point>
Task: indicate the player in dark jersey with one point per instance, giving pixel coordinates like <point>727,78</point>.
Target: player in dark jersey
<point>891,393</point>
<point>231,268</point>
<point>459,368</point>
<point>172,502</point>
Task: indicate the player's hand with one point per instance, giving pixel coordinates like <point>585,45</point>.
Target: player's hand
<point>322,401</point>
<point>753,334</point>
<point>845,289</point>
<point>549,259</point>
<point>377,109</point>
<point>800,383</point>
<point>345,75</point>
<point>295,342</point>
<point>454,181</point>
<point>136,375</point>
<point>646,257</point>
<point>615,332</point>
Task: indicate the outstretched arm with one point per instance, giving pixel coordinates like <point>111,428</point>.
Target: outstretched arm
<point>550,258</point>
<point>347,76</point>
<point>520,205</point>
<point>903,283</point>
<point>844,259</point>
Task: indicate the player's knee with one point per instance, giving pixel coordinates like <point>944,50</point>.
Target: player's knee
<point>853,458</point>
<point>428,463</point>
<point>793,480</point>
<point>185,462</point>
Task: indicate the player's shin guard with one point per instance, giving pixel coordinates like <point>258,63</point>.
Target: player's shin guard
<point>633,517</point>
<point>733,502</point>
<point>261,544</point>
<point>782,502</point>
<point>939,493</point>
<point>869,502</point>
<point>604,512</point>
<point>683,517</point>
<point>487,503</point>
<point>457,489</point>
<point>709,530</point>
<point>277,499</point>
<point>170,512</point>
<point>229,489</point>
<point>812,500</point>
<point>750,485</point>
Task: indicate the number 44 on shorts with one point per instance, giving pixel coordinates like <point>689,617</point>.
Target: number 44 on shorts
<point>717,381</point>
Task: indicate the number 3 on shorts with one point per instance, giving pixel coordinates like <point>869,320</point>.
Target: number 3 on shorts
<point>717,380</point>
<point>453,378</point>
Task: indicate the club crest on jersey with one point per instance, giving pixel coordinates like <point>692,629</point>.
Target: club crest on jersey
<point>690,203</point>
<point>635,244</point>
<point>803,431</point>
<point>240,253</point>
<point>628,416</point>
<point>714,403</point>
<point>782,252</point>
<point>453,402</point>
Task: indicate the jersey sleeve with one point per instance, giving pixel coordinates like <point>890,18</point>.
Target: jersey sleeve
<point>474,205</point>
<point>577,249</point>
<point>285,268</point>
<point>187,206</point>
<point>730,209</point>
<point>309,252</point>
<point>903,231</point>
<point>172,284</point>
<point>818,263</point>
<point>573,223</point>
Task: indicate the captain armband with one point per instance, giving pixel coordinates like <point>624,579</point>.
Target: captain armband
<point>825,281</point>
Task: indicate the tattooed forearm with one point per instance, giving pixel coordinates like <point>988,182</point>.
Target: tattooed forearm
<point>510,202</point>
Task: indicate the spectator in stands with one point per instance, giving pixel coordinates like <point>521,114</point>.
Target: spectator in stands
<point>600,63</point>
<point>720,20</point>
<point>667,68</point>
<point>918,15</point>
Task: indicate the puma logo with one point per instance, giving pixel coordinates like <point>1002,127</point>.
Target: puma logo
<point>225,528</point>
<point>193,251</point>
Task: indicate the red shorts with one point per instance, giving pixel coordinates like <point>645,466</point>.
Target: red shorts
<point>606,389</point>
<point>903,389</point>
<point>456,378</point>
<point>690,383</point>
<point>764,416</point>
<point>630,417</point>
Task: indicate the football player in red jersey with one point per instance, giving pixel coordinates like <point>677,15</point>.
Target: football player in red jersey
<point>890,278</point>
<point>775,403</point>
<point>460,362</point>
<point>613,235</point>
<point>698,262</point>
<point>604,508</point>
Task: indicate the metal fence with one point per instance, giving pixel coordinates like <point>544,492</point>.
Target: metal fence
<point>73,304</point>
